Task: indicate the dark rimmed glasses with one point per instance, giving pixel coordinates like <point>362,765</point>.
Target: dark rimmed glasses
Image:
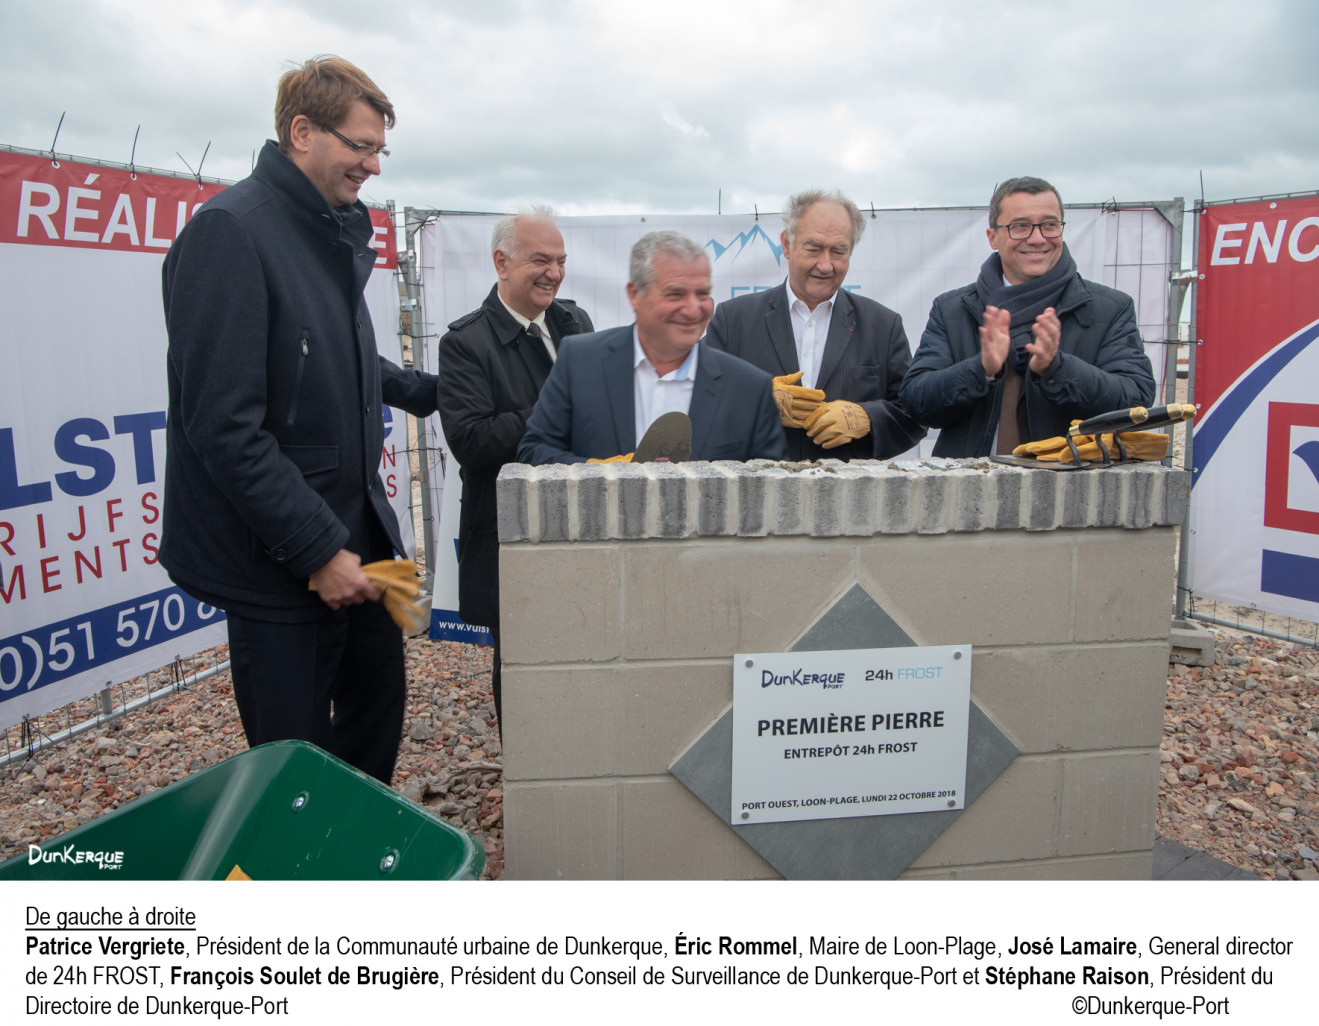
<point>1021,230</point>
<point>356,147</point>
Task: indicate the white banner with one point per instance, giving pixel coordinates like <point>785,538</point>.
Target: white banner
<point>904,259</point>
<point>83,602</point>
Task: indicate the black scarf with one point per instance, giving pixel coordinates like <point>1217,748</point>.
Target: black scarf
<point>1026,301</point>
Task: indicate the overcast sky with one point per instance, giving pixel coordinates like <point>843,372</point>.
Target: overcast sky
<point>627,106</point>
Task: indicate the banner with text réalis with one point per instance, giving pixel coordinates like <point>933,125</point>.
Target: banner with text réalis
<point>1255,484</point>
<point>83,601</point>
<point>62,203</point>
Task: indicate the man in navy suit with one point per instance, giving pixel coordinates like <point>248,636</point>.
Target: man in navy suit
<point>837,358</point>
<point>607,388</point>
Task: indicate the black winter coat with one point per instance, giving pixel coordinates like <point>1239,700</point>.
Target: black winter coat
<point>274,430</point>
<point>490,373</point>
<point>1101,365</point>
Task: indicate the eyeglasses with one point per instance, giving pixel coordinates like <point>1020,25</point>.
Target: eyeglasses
<point>1020,230</point>
<point>357,147</point>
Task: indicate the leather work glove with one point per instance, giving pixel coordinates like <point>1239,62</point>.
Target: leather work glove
<point>400,592</point>
<point>625,458</point>
<point>837,422</point>
<point>1141,445</point>
<point>796,404</point>
<point>1054,450</point>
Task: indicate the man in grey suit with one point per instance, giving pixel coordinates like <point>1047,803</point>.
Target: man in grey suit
<point>837,358</point>
<point>607,388</point>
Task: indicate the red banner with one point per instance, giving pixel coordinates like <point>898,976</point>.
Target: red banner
<point>1255,496</point>
<point>45,202</point>
<point>1257,264</point>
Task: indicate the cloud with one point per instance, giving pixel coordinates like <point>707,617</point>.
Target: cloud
<point>594,106</point>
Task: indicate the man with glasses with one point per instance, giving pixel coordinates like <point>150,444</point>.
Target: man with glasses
<point>1028,347</point>
<point>492,364</point>
<point>273,500</point>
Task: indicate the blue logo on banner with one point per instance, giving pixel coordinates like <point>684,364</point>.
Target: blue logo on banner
<point>741,241</point>
<point>447,625</point>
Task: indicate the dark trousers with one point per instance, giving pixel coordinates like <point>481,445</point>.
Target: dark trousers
<point>337,681</point>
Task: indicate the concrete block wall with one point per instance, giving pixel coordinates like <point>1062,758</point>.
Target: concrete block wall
<point>627,590</point>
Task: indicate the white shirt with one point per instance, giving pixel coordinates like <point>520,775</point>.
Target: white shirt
<point>538,322</point>
<point>652,395</point>
<point>810,328</point>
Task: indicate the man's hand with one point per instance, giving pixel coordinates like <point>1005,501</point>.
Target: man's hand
<point>1048,332</point>
<point>994,340</point>
<point>837,422</point>
<point>340,582</point>
<point>625,458</point>
<point>796,404</point>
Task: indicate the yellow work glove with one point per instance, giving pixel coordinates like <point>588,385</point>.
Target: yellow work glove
<point>400,592</point>
<point>625,458</point>
<point>1048,448</point>
<point>796,404</point>
<point>837,422</point>
<point>1141,445</point>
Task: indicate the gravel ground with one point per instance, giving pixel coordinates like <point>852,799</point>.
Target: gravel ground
<point>1239,753</point>
<point>449,757</point>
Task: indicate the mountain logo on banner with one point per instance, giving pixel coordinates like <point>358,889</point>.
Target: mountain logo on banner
<point>741,241</point>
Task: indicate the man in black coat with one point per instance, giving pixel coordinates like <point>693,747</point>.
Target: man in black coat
<point>273,499</point>
<point>492,364</point>
<point>837,358</point>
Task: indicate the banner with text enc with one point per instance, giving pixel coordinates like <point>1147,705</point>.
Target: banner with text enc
<point>1255,481</point>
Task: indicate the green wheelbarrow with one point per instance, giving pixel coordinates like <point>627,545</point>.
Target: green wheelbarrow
<point>283,811</point>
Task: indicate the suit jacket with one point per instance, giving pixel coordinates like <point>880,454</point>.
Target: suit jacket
<point>587,408</point>
<point>865,357</point>
<point>490,372</point>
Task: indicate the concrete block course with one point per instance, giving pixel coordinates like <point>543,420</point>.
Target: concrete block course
<point>1014,819</point>
<point>714,598</point>
<point>1074,697</point>
<point>575,827</point>
<point>703,848</point>
<point>957,588</point>
<point>1108,802</point>
<point>829,498</point>
<point>626,590</point>
<point>1122,588</point>
<point>609,720</point>
<point>564,600</point>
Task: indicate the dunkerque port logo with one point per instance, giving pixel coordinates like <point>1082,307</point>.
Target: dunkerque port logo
<point>739,242</point>
<point>799,677</point>
<point>105,860</point>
